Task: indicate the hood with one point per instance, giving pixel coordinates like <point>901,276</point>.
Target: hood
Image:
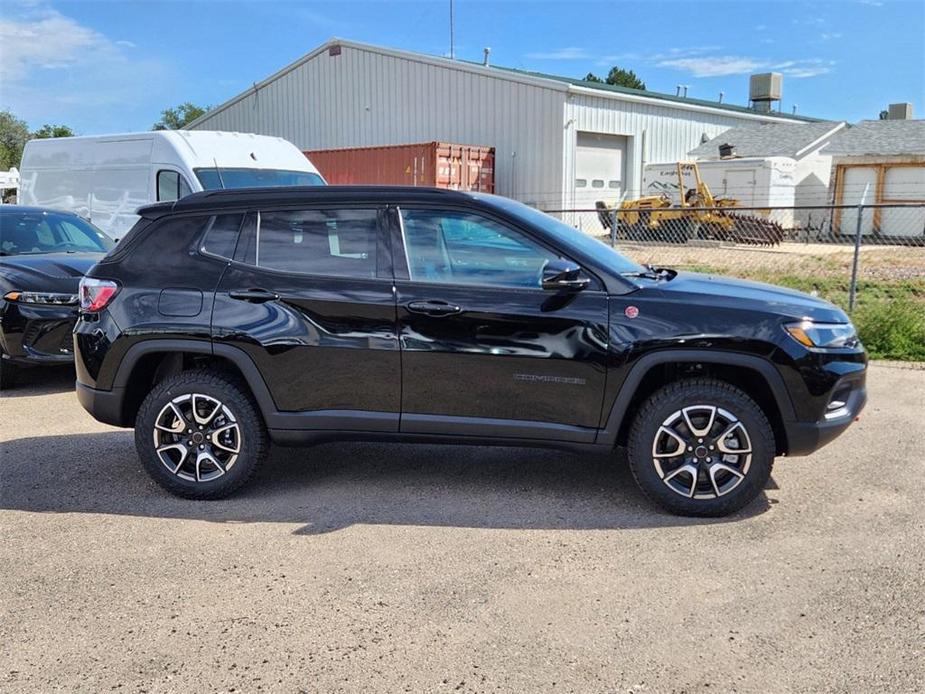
<point>728,292</point>
<point>50,272</point>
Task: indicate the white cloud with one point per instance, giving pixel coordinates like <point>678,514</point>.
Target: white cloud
<point>57,70</point>
<point>50,41</point>
<point>570,53</point>
<point>724,65</point>
<point>828,36</point>
<point>715,66</point>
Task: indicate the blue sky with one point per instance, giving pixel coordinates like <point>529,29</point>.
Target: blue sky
<point>107,66</point>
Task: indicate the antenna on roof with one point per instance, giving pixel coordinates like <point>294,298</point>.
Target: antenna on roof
<point>452,47</point>
<point>219,172</point>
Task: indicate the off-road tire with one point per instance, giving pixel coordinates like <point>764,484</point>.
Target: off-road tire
<point>233,394</point>
<point>660,406</point>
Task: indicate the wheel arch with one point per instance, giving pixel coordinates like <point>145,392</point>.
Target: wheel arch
<point>754,375</point>
<point>149,362</point>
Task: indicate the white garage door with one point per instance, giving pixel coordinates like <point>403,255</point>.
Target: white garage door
<point>600,168</point>
<point>857,179</point>
<point>903,183</point>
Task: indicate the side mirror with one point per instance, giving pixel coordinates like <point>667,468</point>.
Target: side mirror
<point>563,275</point>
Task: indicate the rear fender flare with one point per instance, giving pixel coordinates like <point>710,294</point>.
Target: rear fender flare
<point>239,358</point>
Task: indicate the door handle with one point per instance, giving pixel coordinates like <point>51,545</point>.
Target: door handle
<point>433,308</point>
<point>255,296</point>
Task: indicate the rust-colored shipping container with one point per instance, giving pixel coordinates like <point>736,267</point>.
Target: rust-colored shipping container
<point>438,164</point>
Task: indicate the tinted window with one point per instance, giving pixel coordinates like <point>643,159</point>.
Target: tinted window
<point>222,235</point>
<point>566,236</point>
<point>318,242</point>
<point>27,233</point>
<point>215,179</point>
<point>463,248</point>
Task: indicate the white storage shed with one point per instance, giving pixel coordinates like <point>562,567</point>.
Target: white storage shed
<point>560,142</point>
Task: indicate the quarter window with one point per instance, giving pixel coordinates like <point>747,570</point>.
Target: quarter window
<point>222,235</point>
<point>462,248</point>
<point>317,242</point>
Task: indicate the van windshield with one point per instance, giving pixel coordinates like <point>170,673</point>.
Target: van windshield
<point>216,179</point>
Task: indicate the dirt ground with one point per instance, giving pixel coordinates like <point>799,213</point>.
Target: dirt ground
<point>365,567</point>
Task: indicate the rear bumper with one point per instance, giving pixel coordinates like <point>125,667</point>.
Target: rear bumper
<point>103,405</point>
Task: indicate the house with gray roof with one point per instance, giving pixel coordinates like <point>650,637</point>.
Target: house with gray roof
<point>882,162</point>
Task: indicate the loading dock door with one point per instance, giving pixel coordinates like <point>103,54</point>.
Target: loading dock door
<point>600,172</point>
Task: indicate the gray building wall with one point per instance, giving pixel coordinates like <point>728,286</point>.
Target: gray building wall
<point>370,96</point>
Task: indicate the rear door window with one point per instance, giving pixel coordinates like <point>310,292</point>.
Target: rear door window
<point>331,242</point>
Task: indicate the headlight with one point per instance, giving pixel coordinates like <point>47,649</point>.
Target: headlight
<point>826,335</point>
<point>47,298</point>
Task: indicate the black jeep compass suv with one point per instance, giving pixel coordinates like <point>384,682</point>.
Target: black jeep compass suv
<point>229,319</point>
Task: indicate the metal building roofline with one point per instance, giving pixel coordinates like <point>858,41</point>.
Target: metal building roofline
<point>539,79</point>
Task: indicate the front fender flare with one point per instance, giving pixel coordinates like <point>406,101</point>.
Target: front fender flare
<point>619,409</point>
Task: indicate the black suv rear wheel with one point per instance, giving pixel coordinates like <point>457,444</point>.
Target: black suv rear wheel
<point>199,434</point>
<point>701,448</point>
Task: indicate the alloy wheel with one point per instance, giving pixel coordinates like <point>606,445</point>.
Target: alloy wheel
<point>702,452</point>
<point>196,437</point>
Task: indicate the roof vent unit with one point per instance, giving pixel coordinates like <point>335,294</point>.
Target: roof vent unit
<point>764,90</point>
<point>727,151</point>
<point>900,111</point>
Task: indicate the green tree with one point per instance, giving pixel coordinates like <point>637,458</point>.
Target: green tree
<point>47,131</point>
<point>619,77</point>
<point>13,136</point>
<point>179,117</point>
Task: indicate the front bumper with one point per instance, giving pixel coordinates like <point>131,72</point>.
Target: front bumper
<point>804,438</point>
<point>33,334</point>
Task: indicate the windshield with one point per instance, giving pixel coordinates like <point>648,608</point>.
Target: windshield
<point>584,243</point>
<point>216,179</point>
<point>32,233</point>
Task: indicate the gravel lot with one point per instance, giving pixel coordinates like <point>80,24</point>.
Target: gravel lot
<point>355,567</point>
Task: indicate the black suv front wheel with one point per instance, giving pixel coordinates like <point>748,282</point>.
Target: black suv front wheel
<point>199,434</point>
<point>701,447</point>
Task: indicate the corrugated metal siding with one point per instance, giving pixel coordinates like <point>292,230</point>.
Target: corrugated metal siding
<point>669,132</point>
<point>364,98</point>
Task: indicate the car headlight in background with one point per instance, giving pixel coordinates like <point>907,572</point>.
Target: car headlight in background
<point>824,335</point>
<point>45,298</point>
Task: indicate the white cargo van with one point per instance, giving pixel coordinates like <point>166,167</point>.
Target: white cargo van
<point>106,178</point>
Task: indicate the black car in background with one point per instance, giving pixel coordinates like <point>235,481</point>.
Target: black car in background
<point>230,319</point>
<point>43,255</point>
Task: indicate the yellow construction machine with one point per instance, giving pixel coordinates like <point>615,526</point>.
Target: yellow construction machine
<point>699,215</point>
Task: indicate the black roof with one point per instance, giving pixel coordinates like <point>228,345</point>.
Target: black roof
<point>289,195</point>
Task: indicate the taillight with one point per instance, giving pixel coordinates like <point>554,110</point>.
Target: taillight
<point>96,294</point>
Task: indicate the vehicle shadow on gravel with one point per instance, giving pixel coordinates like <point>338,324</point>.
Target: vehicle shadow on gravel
<point>40,381</point>
<point>337,485</point>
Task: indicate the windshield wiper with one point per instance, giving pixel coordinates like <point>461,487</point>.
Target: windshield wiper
<point>652,273</point>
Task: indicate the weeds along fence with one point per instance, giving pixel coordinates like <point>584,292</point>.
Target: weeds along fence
<point>868,259</point>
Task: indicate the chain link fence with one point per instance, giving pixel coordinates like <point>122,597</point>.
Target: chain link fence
<point>833,249</point>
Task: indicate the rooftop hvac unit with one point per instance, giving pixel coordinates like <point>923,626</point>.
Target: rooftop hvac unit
<point>764,89</point>
<point>900,111</point>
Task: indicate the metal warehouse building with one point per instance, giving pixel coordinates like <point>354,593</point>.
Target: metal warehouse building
<point>560,142</point>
